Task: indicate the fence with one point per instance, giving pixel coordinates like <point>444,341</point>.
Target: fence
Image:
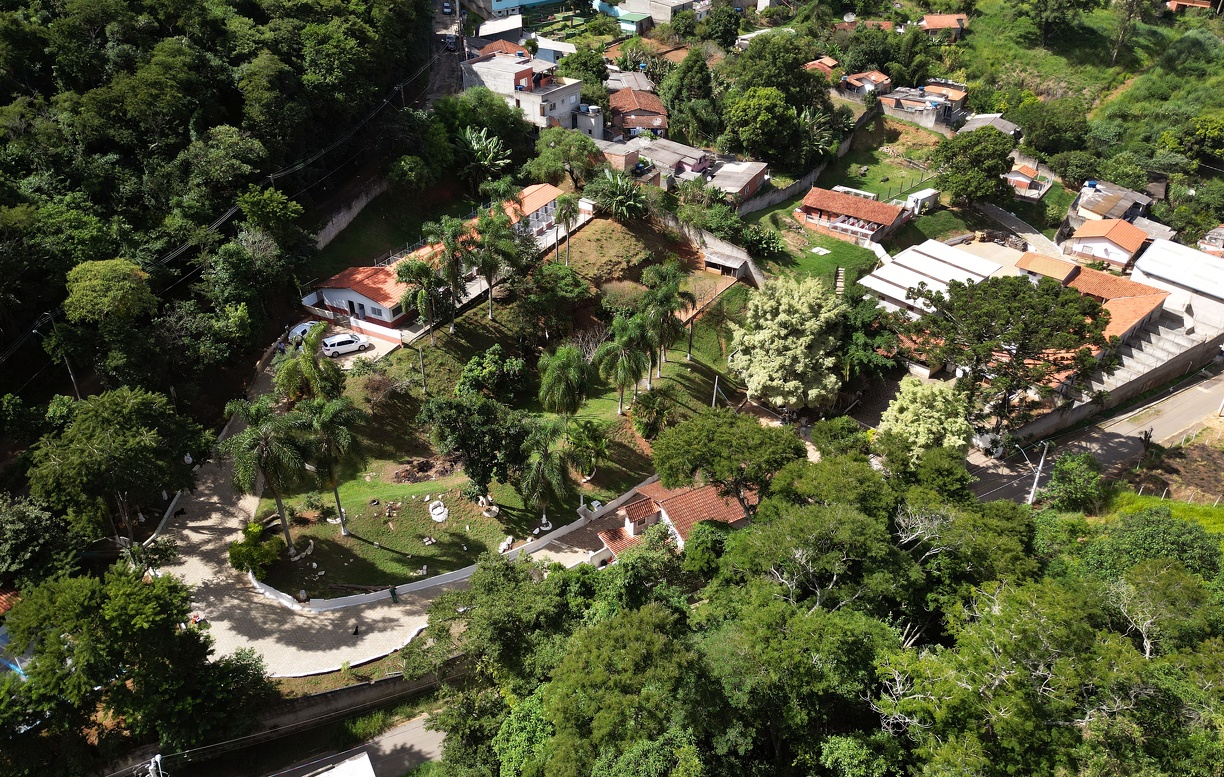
<point>774,196</point>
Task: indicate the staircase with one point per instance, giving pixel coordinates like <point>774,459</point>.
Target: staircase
<point>1158,342</point>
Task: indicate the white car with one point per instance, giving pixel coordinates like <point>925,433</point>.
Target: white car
<point>299,331</point>
<point>338,345</point>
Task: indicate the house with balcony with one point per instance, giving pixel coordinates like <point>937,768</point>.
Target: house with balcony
<point>535,209</point>
<point>529,84</point>
<point>849,217</point>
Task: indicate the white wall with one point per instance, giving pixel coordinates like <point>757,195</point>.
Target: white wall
<point>1203,308</point>
<point>339,298</point>
<point>1100,248</point>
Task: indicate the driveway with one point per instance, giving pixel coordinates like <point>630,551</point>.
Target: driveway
<point>1037,241</point>
<point>393,754</point>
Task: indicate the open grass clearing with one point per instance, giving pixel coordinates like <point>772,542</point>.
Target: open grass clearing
<point>800,259</point>
<point>1047,213</point>
<point>607,250</point>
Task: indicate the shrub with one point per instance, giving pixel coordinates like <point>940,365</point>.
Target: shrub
<point>651,411</point>
<point>313,501</point>
<point>839,437</point>
<point>364,365</point>
<point>1075,484</point>
<point>252,553</point>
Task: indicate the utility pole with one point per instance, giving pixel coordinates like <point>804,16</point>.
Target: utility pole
<point>1037,474</point>
<point>689,356</point>
<point>714,398</point>
<point>67,363</point>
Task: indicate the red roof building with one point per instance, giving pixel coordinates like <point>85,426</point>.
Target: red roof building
<point>635,111</point>
<point>681,509</point>
<point>848,217</point>
<point>1111,240</point>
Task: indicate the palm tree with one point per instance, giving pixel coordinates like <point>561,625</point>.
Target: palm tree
<point>422,281</point>
<point>660,307</point>
<point>620,359</point>
<point>565,378</point>
<point>545,477</point>
<point>307,372</point>
<point>266,450</point>
<point>496,248</point>
<point>328,422</point>
<point>588,441</point>
<point>647,340</point>
<point>566,214</point>
<point>455,237</point>
<point>481,156</point>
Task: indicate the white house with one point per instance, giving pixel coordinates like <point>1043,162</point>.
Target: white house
<point>931,264</point>
<point>1109,240</point>
<point>1194,279</point>
<point>527,83</point>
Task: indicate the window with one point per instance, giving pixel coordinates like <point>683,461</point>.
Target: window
<point>376,312</point>
<point>397,311</point>
<point>573,99</point>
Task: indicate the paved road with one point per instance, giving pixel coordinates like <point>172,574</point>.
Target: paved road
<point>1115,441</point>
<point>292,642</point>
<point>393,754</point>
<point>1039,242</point>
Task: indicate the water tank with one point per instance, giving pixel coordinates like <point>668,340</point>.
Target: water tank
<point>1090,184</point>
<point>583,108</point>
<point>595,110</point>
<point>642,67</point>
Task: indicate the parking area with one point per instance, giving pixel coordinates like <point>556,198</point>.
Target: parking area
<point>380,347</point>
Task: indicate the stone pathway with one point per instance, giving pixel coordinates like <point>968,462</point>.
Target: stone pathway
<point>292,642</point>
<point>1039,242</point>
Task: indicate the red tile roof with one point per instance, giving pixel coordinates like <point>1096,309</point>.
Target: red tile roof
<point>873,76</point>
<point>1121,233</point>
<point>502,47</point>
<point>633,100</point>
<point>649,122</point>
<point>618,540</point>
<point>844,26</point>
<point>824,64</point>
<point>944,21</point>
<point>640,508</point>
<point>849,205</point>
<point>1127,301</point>
<point>530,200</point>
<point>8,597</point>
<point>1048,266</point>
<point>686,507</point>
<point>1025,170</point>
<point>377,284</point>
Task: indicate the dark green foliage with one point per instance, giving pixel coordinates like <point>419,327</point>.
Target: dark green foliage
<point>492,373</point>
<point>651,411</point>
<point>839,436</point>
<point>970,164</point>
<point>943,471</point>
<point>1074,167</point>
<point>34,543</point>
<point>252,553</point>
<point>1052,126</point>
<point>484,432</point>
<point>721,26</point>
<point>1075,484</point>
<point>548,298</point>
<point>587,64</point>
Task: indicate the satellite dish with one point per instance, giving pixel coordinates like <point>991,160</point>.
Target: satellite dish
<point>849,17</point>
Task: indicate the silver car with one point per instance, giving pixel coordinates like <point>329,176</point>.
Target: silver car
<point>338,345</point>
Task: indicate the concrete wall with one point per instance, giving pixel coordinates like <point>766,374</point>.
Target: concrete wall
<point>338,299</point>
<point>1186,362</point>
<point>714,245</point>
<point>775,196</point>
<point>343,217</point>
<point>925,118</point>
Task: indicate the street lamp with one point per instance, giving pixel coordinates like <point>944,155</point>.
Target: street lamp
<point>1045,446</point>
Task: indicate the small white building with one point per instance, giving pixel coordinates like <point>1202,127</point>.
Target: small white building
<point>1110,240</point>
<point>1194,279</point>
<point>931,264</point>
<point>529,84</point>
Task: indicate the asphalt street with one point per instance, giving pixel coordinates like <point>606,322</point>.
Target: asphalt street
<point>393,754</point>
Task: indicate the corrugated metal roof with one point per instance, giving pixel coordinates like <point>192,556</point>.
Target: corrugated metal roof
<point>1183,266</point>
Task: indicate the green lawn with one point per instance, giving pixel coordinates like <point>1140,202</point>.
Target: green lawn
<point>1047,213</point>
<point>391,222</point>
<point>939,224</point>
<point>885,175</point>
<point>1211,518</point>
<point>385,551</point>
<point>799,241</point>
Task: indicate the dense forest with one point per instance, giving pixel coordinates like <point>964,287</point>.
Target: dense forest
<point>130,127</point>
<point>866,624</point>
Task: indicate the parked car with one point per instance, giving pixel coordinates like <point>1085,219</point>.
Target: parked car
<point>450,42</point>
<point>299,331</point>
<point>446,8</point>
<point>338,345</point>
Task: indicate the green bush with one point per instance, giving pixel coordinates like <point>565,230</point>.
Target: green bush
<point>313,501</point>
<point>651,411</point>
<point>252,553</point>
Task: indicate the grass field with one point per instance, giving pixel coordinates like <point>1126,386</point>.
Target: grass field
<point>1211,518</point>
<point>940,224</point>
<point>799,242</point>
<point>1047,213</point>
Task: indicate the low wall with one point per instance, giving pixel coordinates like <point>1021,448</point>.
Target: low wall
<point>365,327</point>
<point>775,196</point>
<point>343,217</point>
<point>1182,364</point>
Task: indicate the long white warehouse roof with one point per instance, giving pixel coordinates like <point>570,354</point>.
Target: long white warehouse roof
<point>1183,266</point>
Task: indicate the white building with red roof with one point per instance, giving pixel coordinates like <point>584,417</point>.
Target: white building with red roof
<point>849,217</point>
<point>635,111</point>
<point>1114,241</point>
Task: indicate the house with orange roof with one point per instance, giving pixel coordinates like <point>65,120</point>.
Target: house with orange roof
<point>507,48</point>
<point>635,111</point>
<point>862,84</point>
<point>1114,241</point>
<point>825,65</point>
<point>849,217</point>
<point>952,23</point>
<point>876,24</point>
<point>1023,179</point>
<point>1130,304</point>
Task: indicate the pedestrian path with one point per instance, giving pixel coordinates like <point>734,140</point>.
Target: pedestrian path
<point>292,642</point>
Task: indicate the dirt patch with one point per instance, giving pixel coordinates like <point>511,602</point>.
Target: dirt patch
<point>422,470</point>
<point>1187,472</point>
<point>902,139</point>
<point>606,250</point>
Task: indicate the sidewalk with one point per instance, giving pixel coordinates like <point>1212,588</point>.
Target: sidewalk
<point>293,643</point>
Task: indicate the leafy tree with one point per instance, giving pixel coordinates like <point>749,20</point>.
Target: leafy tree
<point>1124,169</point>
<point>112,290</point>
<point>1051,17</point>
<point>267,451</point>
<point>634,666</point>
<point>1075,483</point>
<point>762,122</point>
<point>119,452</point>
<point>1010,338</point>
<point>928,415</point>
<point>786,351</point>
<point>484,432</point>
<point>481,156</point>
<point>777,61</point>
<point>868,338</point>
<point>492,373</point>
<point>661,304</point>
<point>1052,126</point>
<point>684,24</point>
<point>549,297</point>
<point>721,26</point>
<point>1074,167</point>
<point>564,381</point>
<point>586,64</point>
<point>34,543</point>
<point>327,423</point>
<point>942,471</point>
<point>544,477</point>
<point>688,81</point>
<point>616,194</point>
<point>1151,535</point>
<point>730,451</point>
<point>970,164</point>
<point>454,237</point>
<point>652,410</point>
<point>252,553</point>
<point>841,436</point>
<point>496,249</point>
<point>912,58</point>
<point>561,152</point>
<point>621,360</point>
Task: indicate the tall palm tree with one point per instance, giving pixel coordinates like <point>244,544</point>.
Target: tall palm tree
<point>496,248</point>
<point>545,476</point>
<point>660,307</point>
<point>422,281</point>
<point>306,372</point>
<point>455,237</point>
<point>565,378</point>
<point>481,156</point>
<point>620,359</point>
<point>266,450</point>
<point>647,339</point>
<point>588,441</point>
<point>327,423</point>
<point>566,214</point>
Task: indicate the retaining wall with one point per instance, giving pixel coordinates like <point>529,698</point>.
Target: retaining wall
<point>343,217</point>
<point>713,245</point>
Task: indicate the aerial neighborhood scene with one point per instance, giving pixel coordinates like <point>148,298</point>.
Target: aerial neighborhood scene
<point>653,388</point>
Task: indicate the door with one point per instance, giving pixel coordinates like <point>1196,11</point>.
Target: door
<point>361,311</point>
<point>352,310</point>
